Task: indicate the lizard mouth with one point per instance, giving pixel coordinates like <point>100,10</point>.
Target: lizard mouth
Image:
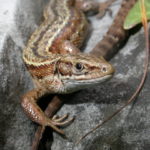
<point>95,80</point>
<point>75,85</point>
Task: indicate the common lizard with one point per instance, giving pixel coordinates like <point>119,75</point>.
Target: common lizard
<point>107,47</point>
<point>55,63</point>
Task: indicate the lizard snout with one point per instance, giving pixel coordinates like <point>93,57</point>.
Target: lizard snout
<point>107,69</point>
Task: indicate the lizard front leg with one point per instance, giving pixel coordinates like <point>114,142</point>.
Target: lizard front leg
<point>29,104</point>
<point>68,47</point>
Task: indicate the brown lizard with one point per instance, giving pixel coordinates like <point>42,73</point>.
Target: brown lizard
<point>53,59</point>
<point>108,46</point>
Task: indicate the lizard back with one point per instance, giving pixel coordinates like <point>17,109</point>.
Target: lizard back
<point>62,22</point>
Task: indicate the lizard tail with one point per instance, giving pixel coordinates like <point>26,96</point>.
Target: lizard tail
<point>112,40</point>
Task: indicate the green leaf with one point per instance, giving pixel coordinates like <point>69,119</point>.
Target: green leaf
<point>134,16</point>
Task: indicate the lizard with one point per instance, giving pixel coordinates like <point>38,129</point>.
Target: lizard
<point>57,66</point>
<point>107,47</point>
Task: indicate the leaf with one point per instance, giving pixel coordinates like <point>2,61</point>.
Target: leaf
<point>134,16</point>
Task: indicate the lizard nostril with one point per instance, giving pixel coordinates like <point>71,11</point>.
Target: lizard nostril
<point>107,69</point>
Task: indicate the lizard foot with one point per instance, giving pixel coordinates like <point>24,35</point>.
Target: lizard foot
<point>103,7</point>
<point>58,121</point>
<point>99,8</point>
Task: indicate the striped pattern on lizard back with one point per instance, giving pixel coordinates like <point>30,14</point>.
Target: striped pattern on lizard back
<point>64,23</point>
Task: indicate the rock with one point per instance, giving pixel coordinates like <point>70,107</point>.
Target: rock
<point>16,25</point>
<point>127,131</point>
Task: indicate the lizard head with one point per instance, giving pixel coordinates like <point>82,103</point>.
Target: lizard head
<point>83,70</point>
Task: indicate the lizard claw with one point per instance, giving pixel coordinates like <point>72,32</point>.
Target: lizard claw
<point>56,118</point>
<point>59,121</point>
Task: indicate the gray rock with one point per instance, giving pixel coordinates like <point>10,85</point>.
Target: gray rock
<point>127,131</point>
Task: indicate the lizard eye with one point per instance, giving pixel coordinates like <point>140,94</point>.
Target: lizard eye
<point>79,66</point>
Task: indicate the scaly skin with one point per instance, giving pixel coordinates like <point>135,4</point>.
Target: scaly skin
<point>53,59</point>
